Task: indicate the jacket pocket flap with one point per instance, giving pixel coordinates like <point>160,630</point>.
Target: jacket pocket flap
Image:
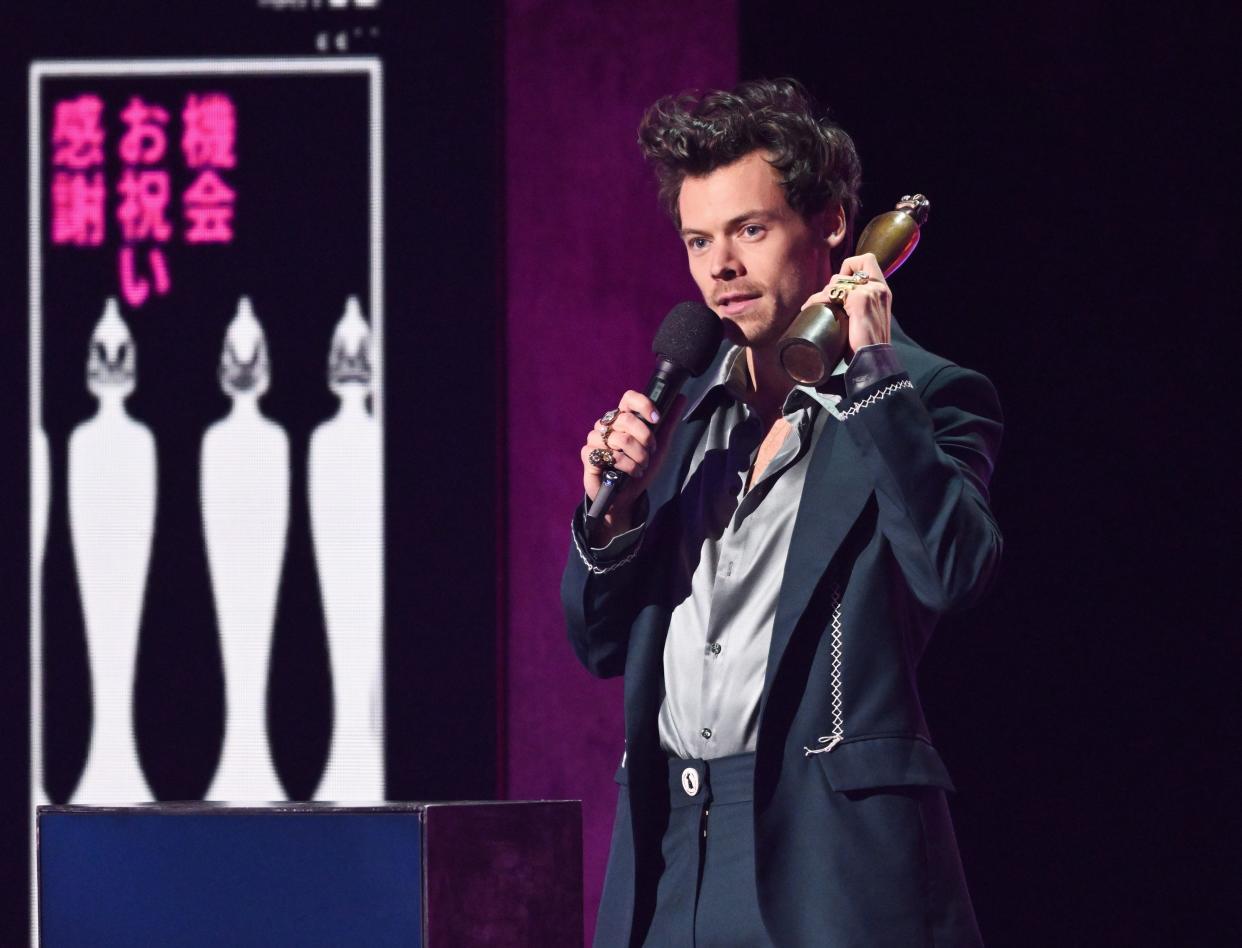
<point>869,763</point>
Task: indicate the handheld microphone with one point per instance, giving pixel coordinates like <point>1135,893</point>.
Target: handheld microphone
<point>685,345</point>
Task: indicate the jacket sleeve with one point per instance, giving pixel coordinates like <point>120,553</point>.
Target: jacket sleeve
<point>597,594</point>
<point>930,451</point>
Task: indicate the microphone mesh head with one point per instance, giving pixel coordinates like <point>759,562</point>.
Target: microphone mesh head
<point>689,337</point>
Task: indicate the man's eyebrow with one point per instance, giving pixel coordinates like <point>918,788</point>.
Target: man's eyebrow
<point>733,223</point>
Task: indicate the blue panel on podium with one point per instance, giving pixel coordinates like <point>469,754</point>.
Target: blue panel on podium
<point>434,875</point>
<point>229,876</point>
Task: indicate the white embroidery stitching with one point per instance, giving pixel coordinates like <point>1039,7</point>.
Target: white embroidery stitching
<point>603,570</point>
<point>838,707</point>
<point>874,397</point>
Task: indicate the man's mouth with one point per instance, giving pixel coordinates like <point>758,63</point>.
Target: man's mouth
<point>733,304</point>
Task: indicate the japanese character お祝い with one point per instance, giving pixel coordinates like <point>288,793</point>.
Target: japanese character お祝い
<point>144,198</point>
<point>136,288</point>
<point>145,139</point>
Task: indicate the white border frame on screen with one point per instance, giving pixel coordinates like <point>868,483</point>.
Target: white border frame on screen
<point>370,66</point>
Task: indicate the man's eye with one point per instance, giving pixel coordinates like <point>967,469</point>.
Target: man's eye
<point>697,243</point>
<point>752,230</point>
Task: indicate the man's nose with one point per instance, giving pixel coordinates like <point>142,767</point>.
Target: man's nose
<point>725,263</point>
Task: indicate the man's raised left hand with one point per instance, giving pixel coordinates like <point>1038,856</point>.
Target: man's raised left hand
<point>867,300</point>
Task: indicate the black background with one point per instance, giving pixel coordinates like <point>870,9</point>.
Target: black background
<point>1077,253</point>
<point>1079,165</point>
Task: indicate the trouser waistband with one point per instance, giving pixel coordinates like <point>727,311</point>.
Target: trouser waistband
<point>693,782</point>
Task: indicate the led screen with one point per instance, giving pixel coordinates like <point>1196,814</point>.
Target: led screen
<point>206,425</point>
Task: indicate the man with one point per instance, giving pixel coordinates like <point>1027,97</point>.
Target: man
<point>771,573</point>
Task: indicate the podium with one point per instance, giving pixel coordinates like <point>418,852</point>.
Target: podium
<point>418,875</point>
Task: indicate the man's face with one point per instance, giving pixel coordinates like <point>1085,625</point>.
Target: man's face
<point>755,259</point>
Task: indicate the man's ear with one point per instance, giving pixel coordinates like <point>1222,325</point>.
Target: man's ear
<point>834,226</point>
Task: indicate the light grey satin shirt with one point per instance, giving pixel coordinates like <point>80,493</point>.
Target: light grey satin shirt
<point>732,557</point>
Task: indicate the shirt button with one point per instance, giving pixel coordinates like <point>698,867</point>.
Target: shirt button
<point>706,733</point>
<point>715,647</point>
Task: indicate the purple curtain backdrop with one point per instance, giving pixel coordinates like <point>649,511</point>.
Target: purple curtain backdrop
<point>592,267</point>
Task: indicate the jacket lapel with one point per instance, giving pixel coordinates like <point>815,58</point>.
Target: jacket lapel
<point>835,492</point>
<point>681,449</point>
<point>646,649</point>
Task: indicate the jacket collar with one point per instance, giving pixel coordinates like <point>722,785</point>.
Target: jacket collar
<point>731,379</point>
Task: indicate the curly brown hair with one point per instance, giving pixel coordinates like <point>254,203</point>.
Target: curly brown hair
<point>692,135</point>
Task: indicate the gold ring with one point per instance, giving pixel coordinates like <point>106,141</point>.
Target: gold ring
<point>601,458</point>
<point>608,417</point>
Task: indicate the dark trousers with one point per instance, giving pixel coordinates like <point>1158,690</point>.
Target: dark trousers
<point>706,896</point>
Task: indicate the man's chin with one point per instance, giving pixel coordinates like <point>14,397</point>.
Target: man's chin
<point>733,332</point>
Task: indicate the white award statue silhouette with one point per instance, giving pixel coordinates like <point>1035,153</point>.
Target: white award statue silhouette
<point>244,481</point>
<point>112,522</point>
<point>40,504</point>
<point>40,501</point>
<point>345,484</point>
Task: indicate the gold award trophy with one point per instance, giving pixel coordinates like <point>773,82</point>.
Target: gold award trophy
<point>812,346</point>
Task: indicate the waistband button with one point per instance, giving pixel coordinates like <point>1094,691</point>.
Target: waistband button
<point>690,781</point>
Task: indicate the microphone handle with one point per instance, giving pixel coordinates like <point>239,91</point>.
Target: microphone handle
<point>665,383</point>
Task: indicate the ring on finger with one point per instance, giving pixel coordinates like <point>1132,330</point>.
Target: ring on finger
<point>601,458</point>
<point>839,291</point>
<point>608,417</point>
<point>604,435</point>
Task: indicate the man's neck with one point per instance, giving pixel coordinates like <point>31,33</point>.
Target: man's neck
<point>769,385</point>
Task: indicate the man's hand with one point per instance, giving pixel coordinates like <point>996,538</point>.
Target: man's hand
<point>868,306</point>
<point>634,452</point>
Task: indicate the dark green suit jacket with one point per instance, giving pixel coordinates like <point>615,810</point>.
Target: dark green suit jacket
<point>853,844</point>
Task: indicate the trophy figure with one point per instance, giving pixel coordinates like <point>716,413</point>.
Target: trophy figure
<point>112,466</point>
<point>40,480</point>
<point>244,480</point>
<point>40,505</point>
<point>346,504</point>
<point>814,342</point>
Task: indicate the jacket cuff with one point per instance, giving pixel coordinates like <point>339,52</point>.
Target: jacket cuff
<point>871,366</point>
<point>616,552</point>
